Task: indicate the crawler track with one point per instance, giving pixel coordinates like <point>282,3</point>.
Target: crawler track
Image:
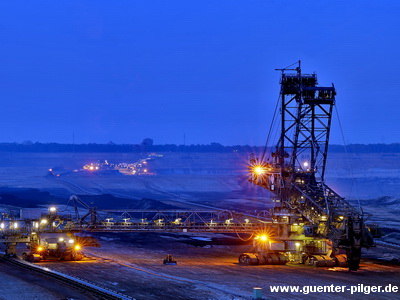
<point>91,289</point>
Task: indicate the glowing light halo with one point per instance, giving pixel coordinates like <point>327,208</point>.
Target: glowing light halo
<point>258,169</point>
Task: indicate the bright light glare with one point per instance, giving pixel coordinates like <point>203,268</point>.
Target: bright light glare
<point>71,241</point>
<point>262,237</point>
<point>305,164</point>
<point>39,248</point>
<point>77,247</point>
<point>258,170</point>
<point>52,209</point>
<point>43,221</point>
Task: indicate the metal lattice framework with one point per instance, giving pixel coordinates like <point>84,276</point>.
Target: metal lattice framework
<point>296,173</point>
<point>167,220</point>
<point>305,121</point>
<point>132,220</point>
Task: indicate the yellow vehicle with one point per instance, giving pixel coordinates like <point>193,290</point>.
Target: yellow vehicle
<point>53,246</point>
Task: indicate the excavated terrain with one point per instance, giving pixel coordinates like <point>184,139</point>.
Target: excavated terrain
<point>207,264</point>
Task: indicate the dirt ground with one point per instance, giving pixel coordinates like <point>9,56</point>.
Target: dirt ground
<point>132,264</point>
<point>22,285</point>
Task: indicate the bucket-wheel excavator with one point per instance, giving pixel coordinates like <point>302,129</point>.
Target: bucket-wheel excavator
<point>310,222</point>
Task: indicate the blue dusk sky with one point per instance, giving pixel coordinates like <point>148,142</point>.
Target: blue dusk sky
<point>125,70</point>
